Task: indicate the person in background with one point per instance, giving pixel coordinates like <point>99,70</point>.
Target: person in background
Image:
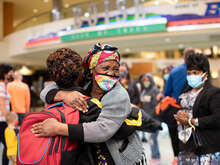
<point>177,78</point>
<point>166,73</point>
<point>128,83</point>
<point>6,75</point>
<point>139,84</point>
<point>200,114</point>
<point>173,88</point>
<point>148,104</point>
<point>11,136</point>
<point>19,96</point>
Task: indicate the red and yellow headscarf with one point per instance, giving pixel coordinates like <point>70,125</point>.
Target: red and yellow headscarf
<point>99,54</point>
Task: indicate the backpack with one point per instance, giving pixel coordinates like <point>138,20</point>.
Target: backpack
<point>56,150</point>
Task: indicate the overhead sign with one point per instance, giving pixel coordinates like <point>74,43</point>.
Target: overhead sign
<point>109,23</point>
<point>135,27</point>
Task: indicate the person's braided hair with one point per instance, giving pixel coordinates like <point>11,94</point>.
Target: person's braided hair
<point>64,66</point>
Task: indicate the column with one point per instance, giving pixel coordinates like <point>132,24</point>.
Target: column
<point>8,18</point>
<point>1,19</point>
<point>57,10</point>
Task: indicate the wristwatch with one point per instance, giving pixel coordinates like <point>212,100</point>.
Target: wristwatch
<point>196,122</point>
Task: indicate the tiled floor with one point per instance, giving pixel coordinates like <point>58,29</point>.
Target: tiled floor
<point>165,149</point>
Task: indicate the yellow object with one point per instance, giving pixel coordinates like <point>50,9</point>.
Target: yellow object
<point>137,122</point>
<point>11,141</point>
<point>97,102</point>
<point>125,86</point>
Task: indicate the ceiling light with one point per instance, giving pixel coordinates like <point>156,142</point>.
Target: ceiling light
<point>214,74</point>
<point>66,5</point>
<point>180,46</point>
<point>54,11</point>
<point>46,1</point>
<point>127,50</point>
<point>167,39</point>
<point>170,1</point>
<point>86,14</point>
<point>156,2</point>
<point>35,10</point>
<point>34,19</point>
<point>25,71</point>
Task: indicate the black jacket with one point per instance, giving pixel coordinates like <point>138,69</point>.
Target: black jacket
<point>207,109</point>
<point>133,92</point>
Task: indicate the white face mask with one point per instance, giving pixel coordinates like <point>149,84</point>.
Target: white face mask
<point>185,134</point>
<point>146,84</point>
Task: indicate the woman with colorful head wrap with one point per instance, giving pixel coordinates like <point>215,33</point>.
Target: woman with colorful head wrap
<point>102,63</point>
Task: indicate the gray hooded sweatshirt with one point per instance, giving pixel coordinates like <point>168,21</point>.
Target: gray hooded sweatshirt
<point>148,96</point>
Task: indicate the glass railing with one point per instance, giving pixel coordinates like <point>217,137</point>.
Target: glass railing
<point>67,10</point>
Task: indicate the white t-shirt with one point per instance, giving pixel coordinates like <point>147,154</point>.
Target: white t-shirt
<point>5,95</point>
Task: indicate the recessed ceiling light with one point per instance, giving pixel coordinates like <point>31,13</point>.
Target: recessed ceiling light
<point>54,11</point>
<point>127,50</point>
<point>167,39</point>
<point>34,19</point>
<point>86,14</point>
<point>35,10</point>
<point>156,2</point>
<point>180,46</point>
<point>66,5</point>
<point>46,1</point>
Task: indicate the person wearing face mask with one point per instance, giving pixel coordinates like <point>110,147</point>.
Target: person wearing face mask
<point>6,75</point>
<point>102,63</point>
<point>173,87</point>
<point>148,104</point>
<point>166,73</point>
<point>200,113</point>
<point>129,83</point>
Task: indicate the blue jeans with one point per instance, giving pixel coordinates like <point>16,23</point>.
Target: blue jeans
<point>142,135</point>
<point>155,153</point>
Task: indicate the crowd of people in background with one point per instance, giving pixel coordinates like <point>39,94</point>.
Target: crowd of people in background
<point>14,104</point>
<point>194,136</point>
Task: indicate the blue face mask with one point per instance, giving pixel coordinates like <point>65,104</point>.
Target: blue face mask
<point>123,74</point>
<point>165,77</point>
<point>195,81</point>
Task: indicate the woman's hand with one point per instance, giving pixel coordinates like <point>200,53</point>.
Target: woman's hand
<point>49,127</point>
<point>74,99</point>
<point>159,96</point>
<point>182,117</point>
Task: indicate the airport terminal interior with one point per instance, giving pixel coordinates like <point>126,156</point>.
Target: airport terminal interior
<point>150,35</point>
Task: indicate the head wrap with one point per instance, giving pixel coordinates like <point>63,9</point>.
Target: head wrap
<point>99,54</point>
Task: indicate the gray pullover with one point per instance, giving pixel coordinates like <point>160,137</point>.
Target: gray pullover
<point>115,109</point>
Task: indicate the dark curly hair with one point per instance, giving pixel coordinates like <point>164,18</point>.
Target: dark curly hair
<point>4,69</point>
<point>197,61</point>
<point>64,66</point>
